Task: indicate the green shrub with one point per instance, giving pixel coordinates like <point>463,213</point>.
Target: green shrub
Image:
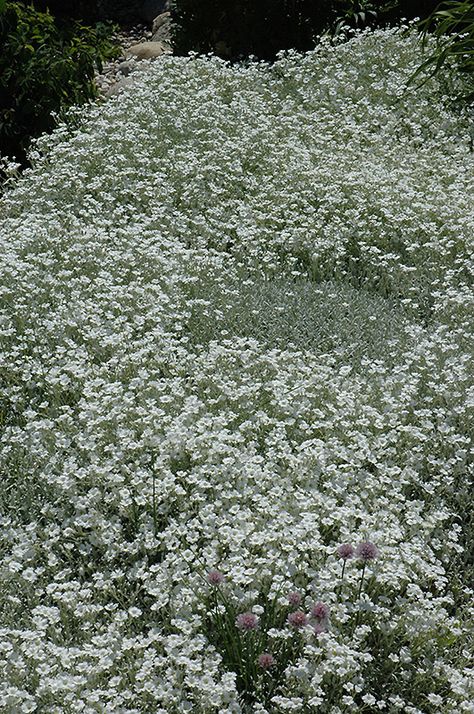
<point>92,10</point>
<point>452,24</point>
<point>394,10</point>
<point>43,69</point>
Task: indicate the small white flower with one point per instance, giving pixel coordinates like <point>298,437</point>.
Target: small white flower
<point>435,699</point>
<point>369,699</point>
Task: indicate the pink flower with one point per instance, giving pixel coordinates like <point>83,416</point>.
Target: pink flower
<point>319,628</point>
<point>247,621</point>
<point>320,611</point>
<point>294,599</point>
<point>266,660</point>
<point>214,577</point>
<point>366,551</point>
<point>345,551</point>
<point>297,619</point>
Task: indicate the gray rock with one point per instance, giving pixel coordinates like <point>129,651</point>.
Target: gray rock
<point>126,67</point>
<point>159,21</point>
<point>162,28</point>
<point>152,8</point>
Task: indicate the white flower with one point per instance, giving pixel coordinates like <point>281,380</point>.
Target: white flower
<point>369,699</point>
<point>435,699</point>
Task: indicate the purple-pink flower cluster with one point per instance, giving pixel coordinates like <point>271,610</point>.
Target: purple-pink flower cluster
<point>320,611</point>
<point>215,577</point>
<point>364,551</point>
<point>294,598</point>
<point>247,621</point>
<point>367,551</point>
<point>346,551</point>
<point>266,660</point>
<point>297,619</point>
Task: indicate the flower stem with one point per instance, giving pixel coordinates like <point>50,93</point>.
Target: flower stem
<point>358,596</point>
<point>155,528</point>
<point>339,587</point>
<point>361,582</point>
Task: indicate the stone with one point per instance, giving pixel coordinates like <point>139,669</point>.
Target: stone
<point>162,29</point>
<point>116,74</point>
<point>125,67</point>
<point>159,21</point>
<point>152,8</point>
<point>149,50</point>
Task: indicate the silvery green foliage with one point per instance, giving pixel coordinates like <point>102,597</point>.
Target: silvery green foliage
<point>236,331</point>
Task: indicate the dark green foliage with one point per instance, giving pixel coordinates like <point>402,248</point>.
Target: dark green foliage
<point>235,29</point>
<point>119,10</point>
<point>123,11</point>
<point>394,10</point>
<point>452,24</point>
<point>43,69</point>
<point>238,28</point>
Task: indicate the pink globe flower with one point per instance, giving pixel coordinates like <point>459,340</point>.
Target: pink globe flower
<point>345,551</point>
<point>320,611</point>
<point>214,577</point>
<point>294,599</point>
<point>319,628</point>
<point>297,619</point>
<point>247,621</point>
<point>366,551</point>
<point>266,660</point>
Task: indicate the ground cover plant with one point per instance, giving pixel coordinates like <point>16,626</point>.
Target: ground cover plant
<point>236,394</point>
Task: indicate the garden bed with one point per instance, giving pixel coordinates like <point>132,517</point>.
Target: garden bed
<point>236,332</point>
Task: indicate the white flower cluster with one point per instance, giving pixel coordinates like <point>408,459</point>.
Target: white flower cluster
<point>236,325</point>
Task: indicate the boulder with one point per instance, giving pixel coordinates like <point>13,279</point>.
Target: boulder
<point>152,8</point>
<point>160,20</point>
<point>162,28</point>
<point>149,50</point>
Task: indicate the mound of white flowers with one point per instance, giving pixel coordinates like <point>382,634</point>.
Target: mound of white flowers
<point>236,332</point>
